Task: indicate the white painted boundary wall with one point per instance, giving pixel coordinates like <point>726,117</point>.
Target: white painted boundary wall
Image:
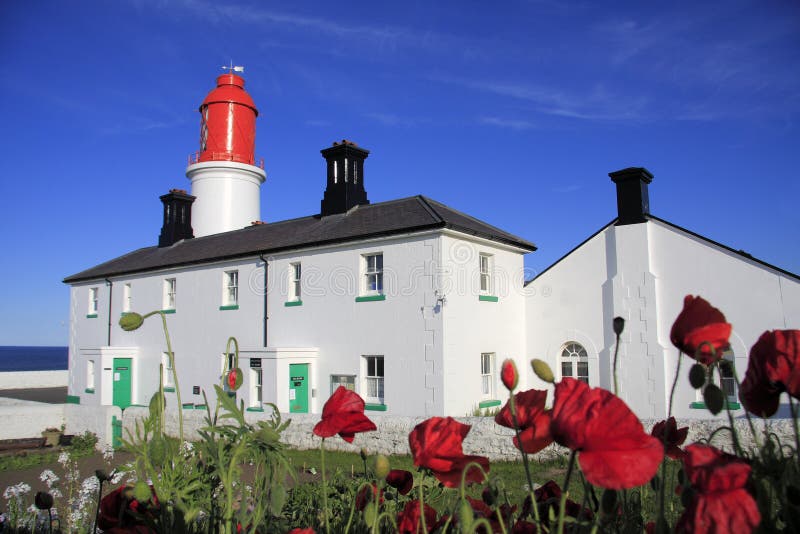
<point>95,419</point>
<point>24,419</point>
<point>33,379</point>
<point>485,438</point>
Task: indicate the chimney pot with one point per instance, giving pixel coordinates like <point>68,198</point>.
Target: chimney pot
<point>345,185</point>
<point>633,202</point>
<point>177,223</point>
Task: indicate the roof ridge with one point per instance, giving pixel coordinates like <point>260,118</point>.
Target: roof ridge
<point>426,203</point>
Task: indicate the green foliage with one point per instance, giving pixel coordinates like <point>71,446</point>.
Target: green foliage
<point>83,445</point>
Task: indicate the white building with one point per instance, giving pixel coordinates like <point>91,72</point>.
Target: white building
<point>409,302</point>
<point>640,267</point>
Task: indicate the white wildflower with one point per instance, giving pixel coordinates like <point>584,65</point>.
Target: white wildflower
<point>63,458</point>
<point>108,453</point>
<point>49,478</point>
<point>56,493</point>
<point>116,476</point>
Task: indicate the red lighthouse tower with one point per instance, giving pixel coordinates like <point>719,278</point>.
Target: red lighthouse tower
<point>225,176</point>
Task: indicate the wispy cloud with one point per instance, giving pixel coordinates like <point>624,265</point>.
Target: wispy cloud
<point>571,188</point>
<point>317,122</point>
<point>390,119</point>
<point>514,124</point>
<point>136,125</point>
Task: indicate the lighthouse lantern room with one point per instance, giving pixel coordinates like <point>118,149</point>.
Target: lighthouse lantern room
<point>226,179</point>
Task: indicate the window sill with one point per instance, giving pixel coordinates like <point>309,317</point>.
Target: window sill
<point>291,303</point>
<point>376,407</point>
<point>89,390</point>
<point>168,311</point>
<point>188,406</point>
<point>487,298</point>
<point>229,307</point>
<point>73,399</point>
<point>489,403</point>
<point>255,409</point>
<point>91,316</point>
<point>168,389</point>
<point>370,298</point>
<point>702,405</point>
<point>199,406</point>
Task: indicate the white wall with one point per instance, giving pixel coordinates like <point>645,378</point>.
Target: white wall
<point>33,379</point>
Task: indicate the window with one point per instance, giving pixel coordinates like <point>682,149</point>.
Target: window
<point>166,370</point>
<point>373,274</point>
<point>230,291</point>
<point>348,381</point>
<point>92,308</point>
<point>90,376</point>
<point>728,383</point>
<point>373,379</point>
<point>575,362</point>
<point>256,383</point>
<point>126,298</point>
<point>169,293</point>
<point>294,281</point>
<point>486,273</point>
<point>487,379</point>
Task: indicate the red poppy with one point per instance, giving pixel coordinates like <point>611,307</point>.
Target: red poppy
<point>698,325</point>
<point>302,531</point>
<point>366,495</point>
<point>668,434</point>
<point>343,414</point>
<point>401,479</point>
<point>436,445</point>
<point>774,367</point>
<point>524,527</point>
<point>118,511</point>
<point>481,510</point>
<point>509,375</point>
<point>615,452</point>
<point>532,418</point>
<point>549,495</point>
<point>719,502</point>
<point>409,521</point>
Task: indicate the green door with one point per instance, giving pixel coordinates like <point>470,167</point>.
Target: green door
<point>122,382</point>
<point>298,387</point>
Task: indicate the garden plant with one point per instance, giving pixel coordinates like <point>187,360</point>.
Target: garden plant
<point>618,478</point>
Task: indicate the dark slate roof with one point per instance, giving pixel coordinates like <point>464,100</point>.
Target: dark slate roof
<point>710,241</point>
<point>413,214</point>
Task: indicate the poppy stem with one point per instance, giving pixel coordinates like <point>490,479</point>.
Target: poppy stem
<point>422,504</point>
<point>674,385</point>
<point>616,352</point>
<point>793,410</point>
<point>324,487</point>
<point>171,357</point>
<point>513,406</point>
<point>563,503</point>
<point>737,447</point>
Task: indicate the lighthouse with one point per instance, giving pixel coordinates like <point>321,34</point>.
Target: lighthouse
<point>226,178</point>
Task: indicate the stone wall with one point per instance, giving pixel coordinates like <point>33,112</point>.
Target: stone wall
<point>485,438</point>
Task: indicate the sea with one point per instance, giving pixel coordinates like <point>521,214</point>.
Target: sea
<point>33,358</point>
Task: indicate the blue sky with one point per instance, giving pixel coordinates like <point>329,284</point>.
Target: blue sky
<point>513,113</point>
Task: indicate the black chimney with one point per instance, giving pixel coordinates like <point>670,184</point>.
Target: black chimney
<point>177,217</point>
<point>633,204</point>
<point>345,177</point>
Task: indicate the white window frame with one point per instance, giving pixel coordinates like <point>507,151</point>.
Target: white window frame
<point>166,376</point>
<point>372,269</point>
<point>730,381</point>
<point>576,355</point>
<point>126,298</point>
<point>295,281</point>
<point>230,288</point>
<point>348,381</point>
<point>90,375</point>
<point>94,299</point>
<point>256,387</point>
<point>487,375</point>
<point>485,269</point>
<point>170,293</point>
<point>374,378</point>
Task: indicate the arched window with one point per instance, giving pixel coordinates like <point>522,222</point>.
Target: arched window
<point>575,362</point>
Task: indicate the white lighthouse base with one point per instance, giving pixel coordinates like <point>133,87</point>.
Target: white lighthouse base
<point>228,196</point>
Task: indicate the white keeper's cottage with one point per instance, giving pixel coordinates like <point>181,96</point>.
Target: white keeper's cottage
<point>409,302</point>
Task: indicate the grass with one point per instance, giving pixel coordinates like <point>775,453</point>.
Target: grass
<point>82,445</point>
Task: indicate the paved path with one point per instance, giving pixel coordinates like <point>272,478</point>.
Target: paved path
<point>49,395</point>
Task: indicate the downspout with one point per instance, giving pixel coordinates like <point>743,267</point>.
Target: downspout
<point>110,285</point>
<point>266,316</point>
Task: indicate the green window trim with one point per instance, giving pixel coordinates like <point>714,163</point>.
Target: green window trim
<point>229,307</point>
<point>172,310</point>
<point>169,390</point>
<point>291,303</point>
<point>91,316</point>
<point>376,407</point>
<point>255,409</point>
<point>188,406</point>
<point>487,298</point>
<point>489,403</point>
<point>702,405</point>
<point>73,399</point>
<point>200,406</point>
<point>89,390</point>
<point>370,298</point>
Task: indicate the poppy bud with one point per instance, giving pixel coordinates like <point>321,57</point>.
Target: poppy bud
<point>234,378</point>
<point>542,370</point>
<point>370,512</point>
<point>714,398</point>
<point>381,466</point>
<point>465,516</point>
<point>608,502</point>
<point>131,321</point>
<point>655,483</point>
<point>101,476</point>
<point>43,500</point>
<point>619,325</point>
<point>697,375</point>
<point>141,492</point>
<point>509,374</point>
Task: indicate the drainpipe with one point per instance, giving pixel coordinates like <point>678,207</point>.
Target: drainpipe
<point>266,316</point>
<point>110,285</point>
